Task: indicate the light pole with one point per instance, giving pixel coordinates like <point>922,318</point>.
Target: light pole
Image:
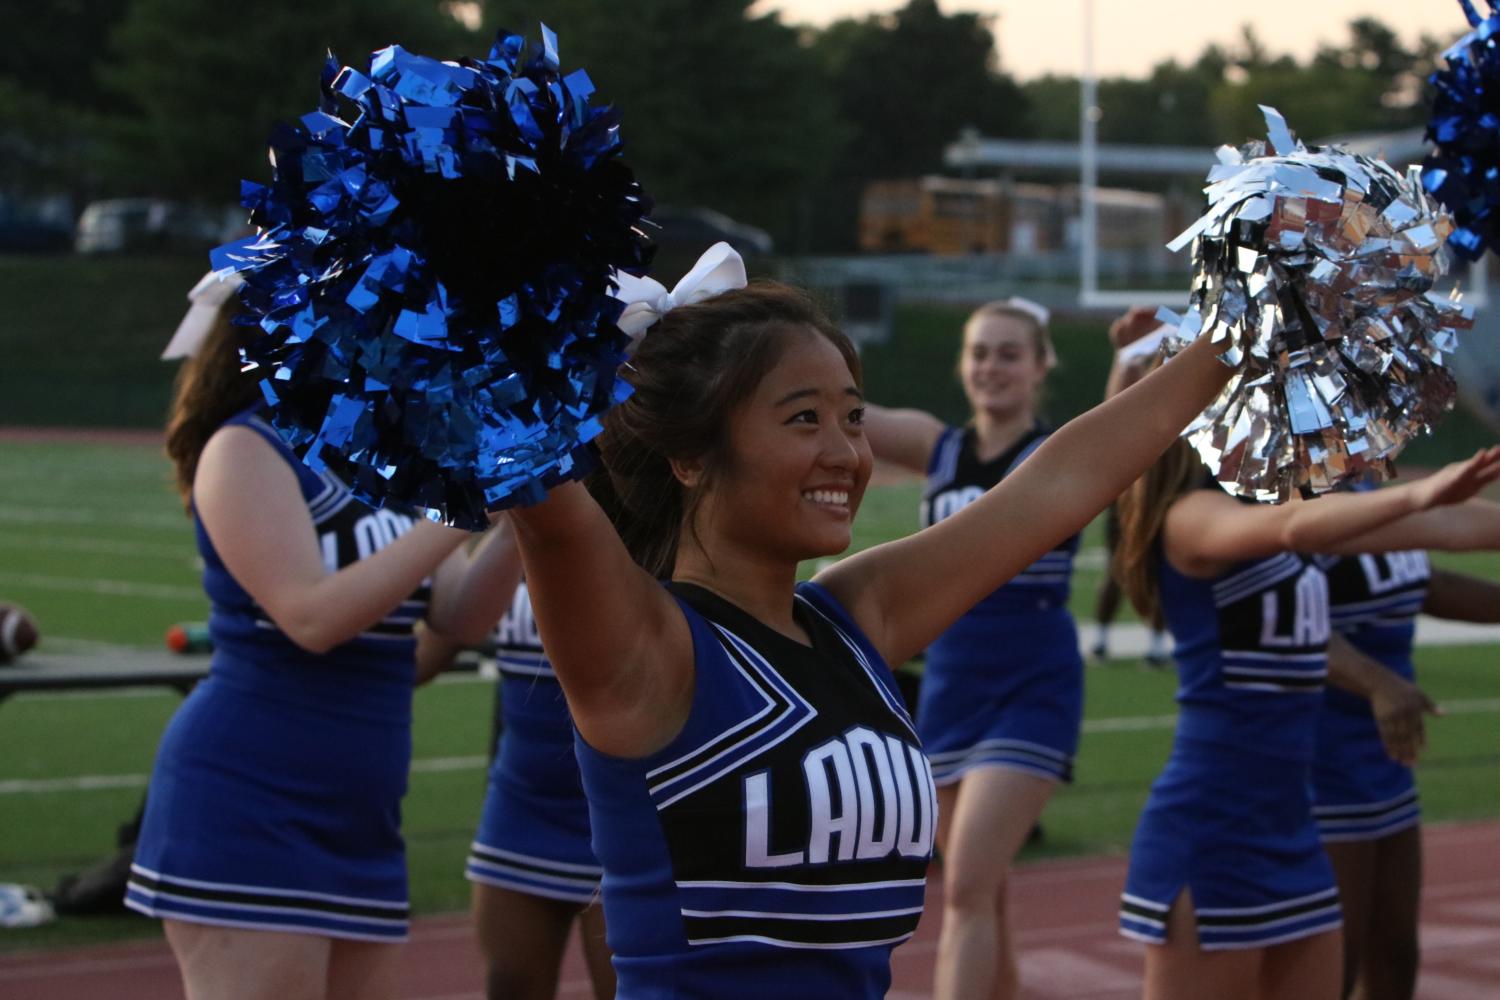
<point>1088,164</point>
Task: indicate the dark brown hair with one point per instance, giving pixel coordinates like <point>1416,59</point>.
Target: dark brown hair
<point>208,391</point>
<point>1142,510</point>
<point>693,369</point>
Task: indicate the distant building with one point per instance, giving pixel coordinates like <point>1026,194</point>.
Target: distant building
<point>950,216</point>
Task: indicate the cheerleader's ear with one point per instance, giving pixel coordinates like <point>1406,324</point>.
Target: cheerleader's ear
<point>688,471</point>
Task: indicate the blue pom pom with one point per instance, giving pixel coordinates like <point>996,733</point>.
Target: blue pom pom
<point>1463,171</point>
<point>431,277</point>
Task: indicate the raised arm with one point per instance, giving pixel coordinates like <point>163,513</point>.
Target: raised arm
<point>1463,598</point>
<point>473,587</point>
<point>1470,526</point>
<point>1399,706</point>
<point>904,593</point>
<point>619,644</point>
<point>249,502</point>
<point>902,437</point>
<point>1207,531</point>
<point>1129,367</point>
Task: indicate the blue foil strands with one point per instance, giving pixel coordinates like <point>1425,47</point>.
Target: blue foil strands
<point>1313,271</point>
<point>431,277</point>
<point>1463,170</point>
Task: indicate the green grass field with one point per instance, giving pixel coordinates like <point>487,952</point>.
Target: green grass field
<point>94,542</point>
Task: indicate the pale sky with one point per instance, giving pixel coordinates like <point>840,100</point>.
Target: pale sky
<point>1040,36</point>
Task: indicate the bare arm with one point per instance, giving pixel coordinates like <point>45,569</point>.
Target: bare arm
<point>904,593</point>
<point>902,437</point>
<point>1207,531</point>
<point>435,653</point>
<point>1128,328</point>
<point>1399,706</point>
<point>1464,598</point>
<point>619,644</point>
<point>1466,527</point>
<point>250,504</point>
<point>473,587</point>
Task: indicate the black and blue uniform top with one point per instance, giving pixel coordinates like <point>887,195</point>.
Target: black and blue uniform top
<point>778,846</point>
<point>1374,600</point>
<point>956,478</point>
<point>1251,647</point>
<point>518,644</point>
<point>371,675</point>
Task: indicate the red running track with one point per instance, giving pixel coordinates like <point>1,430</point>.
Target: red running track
<point>1064,912</point>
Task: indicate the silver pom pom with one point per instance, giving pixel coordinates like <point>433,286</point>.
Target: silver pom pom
<point>1313,271</point>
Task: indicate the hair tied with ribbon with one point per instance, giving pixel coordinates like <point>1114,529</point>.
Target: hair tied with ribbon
<point>719,270</point>
<point>206,298</point>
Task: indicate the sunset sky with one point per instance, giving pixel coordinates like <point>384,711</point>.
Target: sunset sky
<point>1040,36</point>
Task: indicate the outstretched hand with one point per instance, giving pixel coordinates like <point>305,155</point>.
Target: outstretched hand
<point>1459,481</point>
<point>1400,708</point>
<point>1132,325</point>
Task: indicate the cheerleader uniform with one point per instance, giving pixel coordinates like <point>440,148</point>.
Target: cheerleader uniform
<point>1003,686</point>
<point>1230,818</point>
<point>533,834</point>
<point>276,796</point>
<point>778,846</point>
<point>1359,792</point>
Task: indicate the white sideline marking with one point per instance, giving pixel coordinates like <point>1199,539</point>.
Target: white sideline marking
<point>101,546</point>
<point>59,515</point>
<point>109,588</point>
<point>99,782</point>
<point>437,765</point>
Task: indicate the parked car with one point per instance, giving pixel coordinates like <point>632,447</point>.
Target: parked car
<point>36,225</point>
<point>119,225</point>
<point>685,232</point>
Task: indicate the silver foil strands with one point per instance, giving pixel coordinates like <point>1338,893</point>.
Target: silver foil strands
<point>1313,272</point>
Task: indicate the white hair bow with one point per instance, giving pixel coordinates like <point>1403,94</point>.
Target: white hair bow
<point>207,296</point>
<point>1035,310</point>
<point>720,269</point>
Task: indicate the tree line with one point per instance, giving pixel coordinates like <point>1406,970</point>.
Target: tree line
<point>776,124</point>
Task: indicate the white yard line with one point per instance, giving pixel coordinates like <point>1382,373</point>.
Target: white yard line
<point>73,515</point>
<point>439,765</point>
<point>107,588</point>
<point>101,546</point>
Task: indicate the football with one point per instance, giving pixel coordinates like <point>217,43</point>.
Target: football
<point>17,631</point>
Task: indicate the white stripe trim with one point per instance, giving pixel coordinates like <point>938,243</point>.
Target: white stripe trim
<point>907,883</point>
<point>1339,810</point>
<point>891,699</point>
<point>1402,821</point>
<point>715,764</point>
<point>595,870</point>
<point>219,904</point>
<point>1268,672</point>
<point>1148,903</point>
<point>1256,585</point>
<point>949,775</point>
<point>1268,942</point>
<point>527,875</point>
<point>1258,577</point>
<point>527,889</point>
<point>1003,744</point>
<point>267,891</point>
<point>799,945</point>
<point>759,687</point>
<point>1245,911</point>
<point>1251,654</point>
<point>197,918</point>
<point>825,917</point>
